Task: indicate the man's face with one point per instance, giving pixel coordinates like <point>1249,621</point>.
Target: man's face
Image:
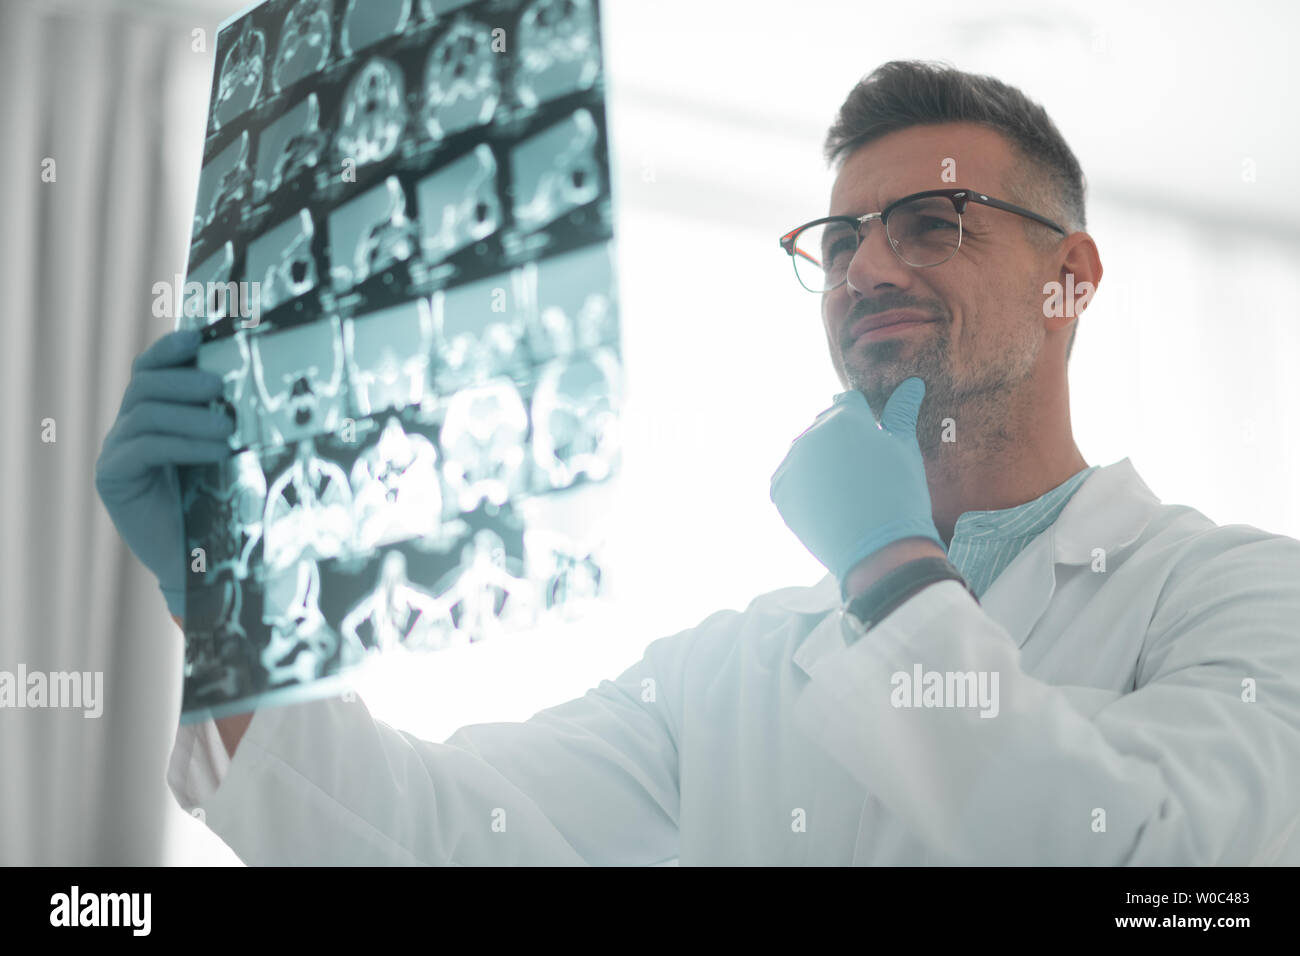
<point>986,328</point>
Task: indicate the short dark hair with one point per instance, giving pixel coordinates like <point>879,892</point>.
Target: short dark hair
<point>904,93</point>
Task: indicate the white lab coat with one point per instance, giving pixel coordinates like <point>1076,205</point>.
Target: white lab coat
<point>1126,732</point>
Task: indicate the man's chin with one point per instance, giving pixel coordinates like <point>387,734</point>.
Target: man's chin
<point>877,380</point>
<point>878,384</point>
<point>875,392</point>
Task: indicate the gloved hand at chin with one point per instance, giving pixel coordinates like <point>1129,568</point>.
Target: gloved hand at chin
<point>848,487</point>
<point>166,419</point>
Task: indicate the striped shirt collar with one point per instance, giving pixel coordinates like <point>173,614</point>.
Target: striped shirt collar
<point>985,542</point>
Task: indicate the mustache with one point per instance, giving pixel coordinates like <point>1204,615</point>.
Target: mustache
<point>887,304</point>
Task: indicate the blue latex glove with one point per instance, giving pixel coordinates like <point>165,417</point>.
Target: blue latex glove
<point>848,486</point>
<point>166,420</point>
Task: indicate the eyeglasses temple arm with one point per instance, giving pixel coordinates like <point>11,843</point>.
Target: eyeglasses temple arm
<point>1019,211</point>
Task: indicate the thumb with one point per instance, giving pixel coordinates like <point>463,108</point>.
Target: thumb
<point>902,408</point>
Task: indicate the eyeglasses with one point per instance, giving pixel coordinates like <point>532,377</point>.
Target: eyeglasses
<point>924,229</point>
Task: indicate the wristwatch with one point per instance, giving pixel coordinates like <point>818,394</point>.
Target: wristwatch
<point>872,606</point>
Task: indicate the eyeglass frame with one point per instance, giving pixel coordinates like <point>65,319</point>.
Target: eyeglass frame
<point>960,198</point>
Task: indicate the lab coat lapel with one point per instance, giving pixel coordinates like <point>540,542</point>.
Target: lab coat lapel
<point>1022,592</point>
<point>1108,512</point>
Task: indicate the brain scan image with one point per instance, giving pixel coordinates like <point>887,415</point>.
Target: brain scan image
<point>574,307</point>
<point>555,171</point>
<point>434,9</point>
<point>235,186</point>
<point>289,146</point>
<point>388,354</point>
<point>461,89</point>
<point>402,267</point>
<point>366,22</point>
<point>231,359</point>
<point>225,518</point>
<point>559,50</point>
<point>308,511</point>
<point>373,114</point>
<point>301,642</point>
<point>482,441</point>
<point>224,184</point>
<point>395,490</point>
<point>239,84</point>
<point>477,332</point>
<point>216,664</point>
<point>398,614</point>
<point>282,262</point>
<point>300,381</point>
<point>217,302</point>
<point>459,204</point>
<point>369,235</point>
<point>567,576</point>
<point>304,43</point>
<point>486,593</point>
<point>576,418</point>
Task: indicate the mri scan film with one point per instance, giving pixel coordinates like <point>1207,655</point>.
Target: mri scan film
<point>404,229</point>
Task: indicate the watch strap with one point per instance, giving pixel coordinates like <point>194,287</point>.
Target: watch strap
<point>896,587</point>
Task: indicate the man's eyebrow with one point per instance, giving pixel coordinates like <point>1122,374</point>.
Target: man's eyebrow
<point>892,198</point>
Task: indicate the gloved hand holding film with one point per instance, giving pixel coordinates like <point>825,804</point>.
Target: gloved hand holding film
<point>166,419</point>
<point>848,486</point>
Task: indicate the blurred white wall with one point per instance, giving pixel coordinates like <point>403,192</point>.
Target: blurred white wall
<point>1186,360</point>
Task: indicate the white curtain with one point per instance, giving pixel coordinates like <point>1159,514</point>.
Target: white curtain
<point>88,87</point>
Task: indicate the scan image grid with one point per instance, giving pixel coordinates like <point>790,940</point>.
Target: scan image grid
<point>402,265</point>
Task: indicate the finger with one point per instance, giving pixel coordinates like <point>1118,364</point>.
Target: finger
<point>139,454</point>
<point>185,421</point>
<point>903,407</point>
<point>194,386</point>
<point>174,348</point>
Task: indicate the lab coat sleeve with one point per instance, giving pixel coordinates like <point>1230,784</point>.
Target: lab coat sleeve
<point>1198,764</point>
<point>592,780</point>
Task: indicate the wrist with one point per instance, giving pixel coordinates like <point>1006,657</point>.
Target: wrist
<point>894,589</point>
<point>876,565</point>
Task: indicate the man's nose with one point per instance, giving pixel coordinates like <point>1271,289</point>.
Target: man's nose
<point>875,263</point>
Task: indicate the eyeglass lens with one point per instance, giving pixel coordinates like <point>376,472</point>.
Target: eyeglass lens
<point>923,232</point>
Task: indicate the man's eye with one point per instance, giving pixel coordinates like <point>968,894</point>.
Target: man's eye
<point>932,223</point>
<point>839,251</point>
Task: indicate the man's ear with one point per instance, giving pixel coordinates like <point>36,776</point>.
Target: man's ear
<point>1077,279</point>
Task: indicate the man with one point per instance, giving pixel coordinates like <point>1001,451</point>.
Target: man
<point>1016,658</point>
